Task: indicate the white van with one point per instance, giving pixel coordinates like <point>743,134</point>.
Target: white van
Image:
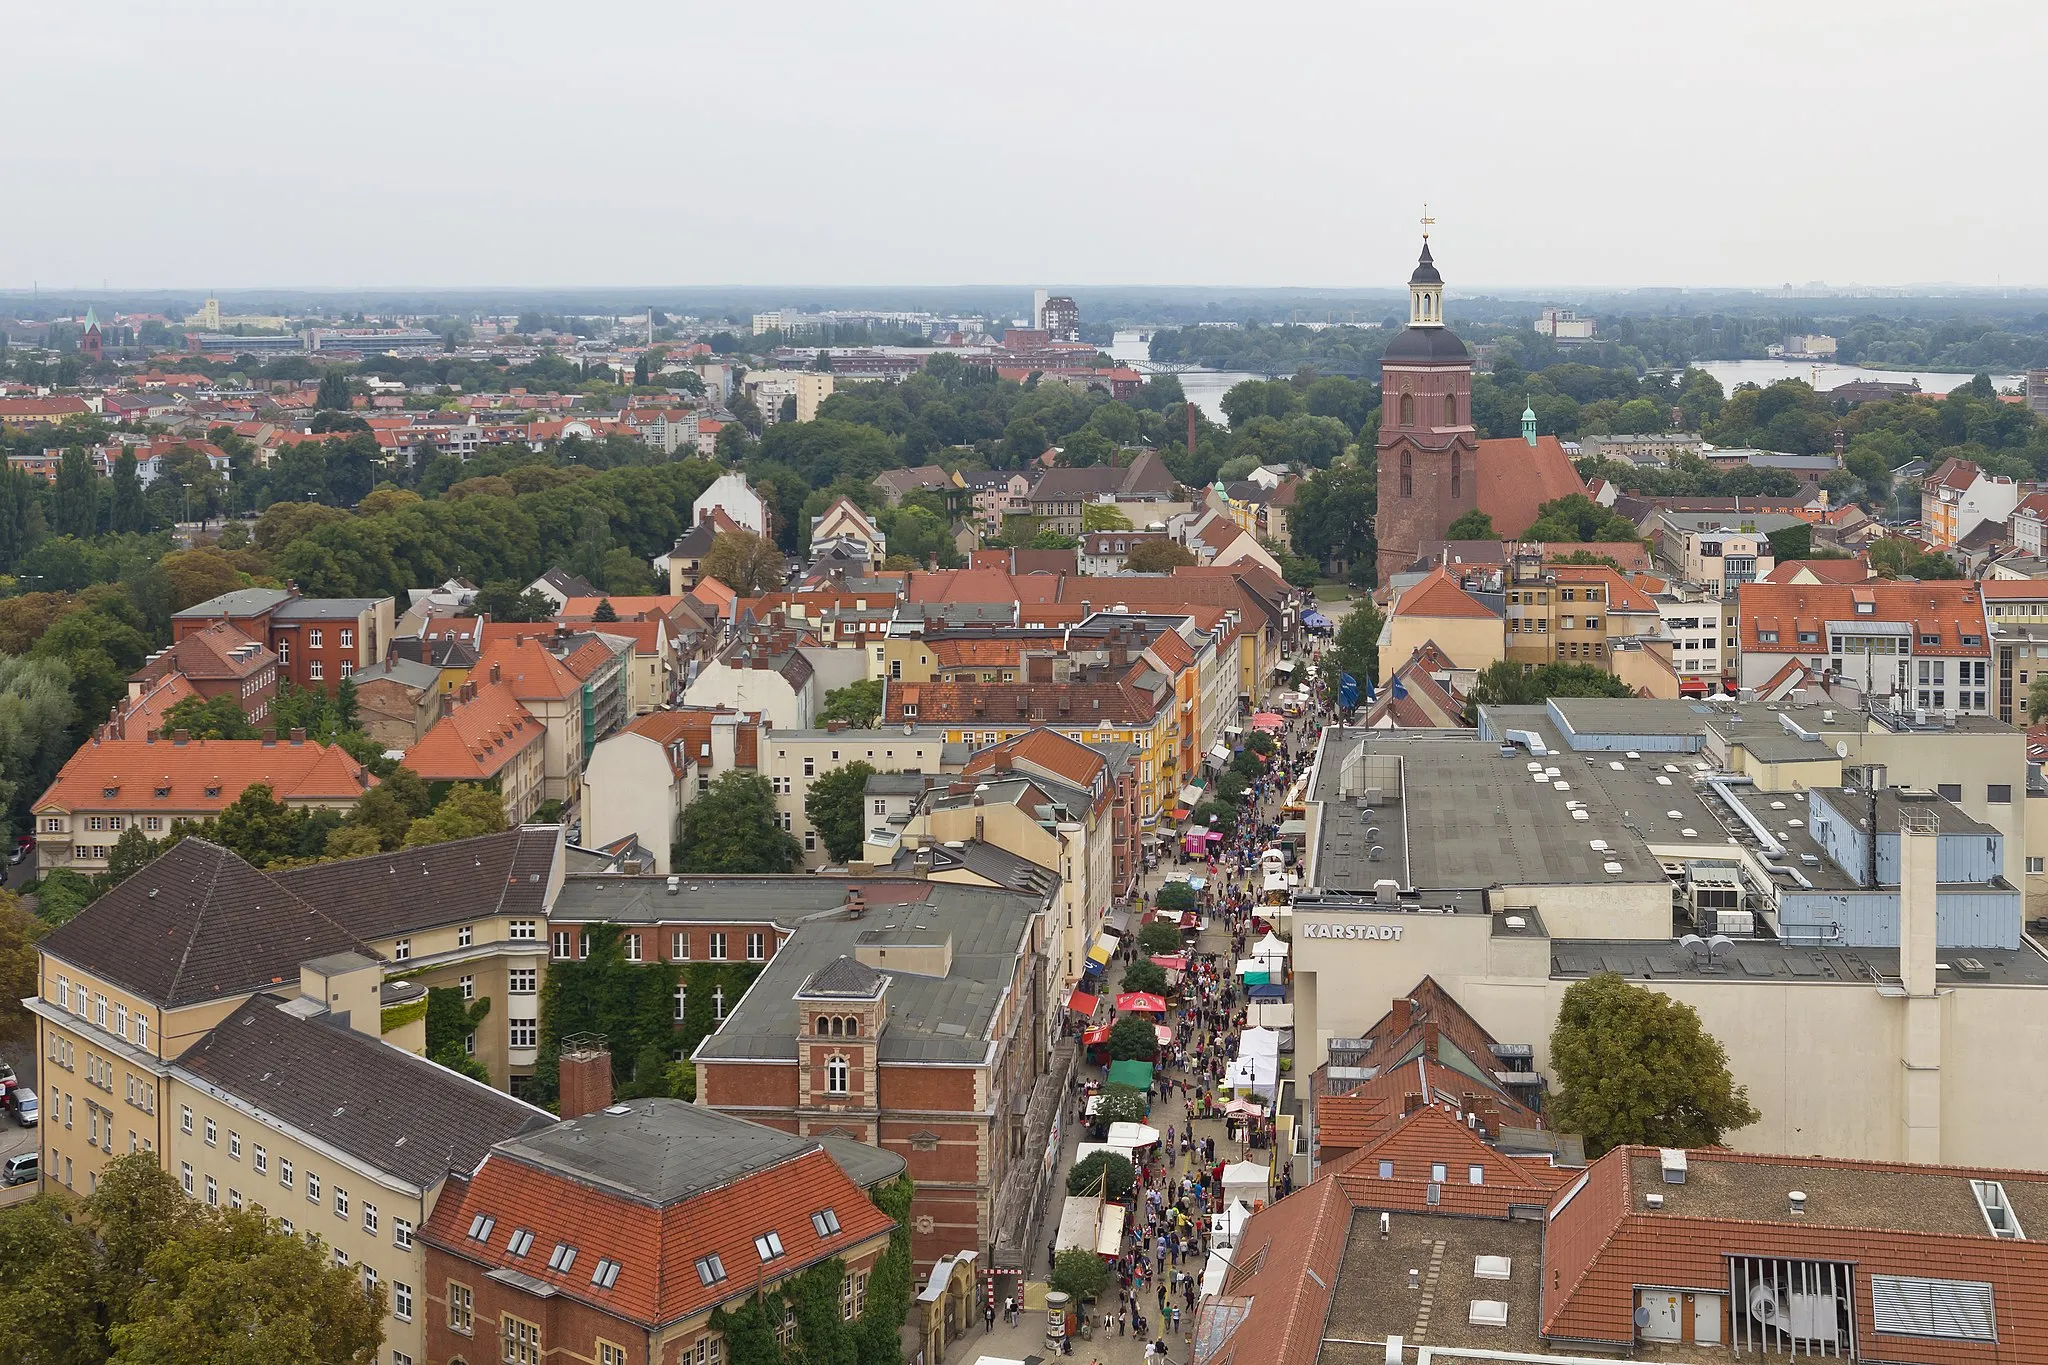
<point>27,1108</point>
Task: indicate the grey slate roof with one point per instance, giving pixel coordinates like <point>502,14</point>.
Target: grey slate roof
<point>843,976</point>
<point>240,602</point>
<point>393,1111</point>
<point>659,1152</point>
<point>198,924</point>
<point>418,888</point>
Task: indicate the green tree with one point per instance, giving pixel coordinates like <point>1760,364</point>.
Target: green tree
<point>209,718</point>
<point>2037,697</point>
<point>859,704</point>
<point>836,806</point>
<point>1157,556</point>
<point>1121,1104</point>
<point>1791,542</point>
<point>1473,525</point>
<point>1145,976</point>
<point>1333,519</point>
<point>465,812</point>
<point>748,564</point>
<point>1080,1274</point>
<point>61,894</point>
<point>1175,898</point>
<point>1355,649</point>
<point>1635,1066</point>
<point>75,501</point>
<point>1105,1173</point>
<point>19,933</point>
<point>334,392</point>
<point>1049,539</point>
<point>1506,684</point>
<point>48,1297</point>
<point>257,827</point>
<point>132,852</point>
<point>733,827</point>
<point>1577,517</point>
<point>127,510</point>
<point>1103,516</point>
<point>1160,936</point>
<point>1134,1038</point>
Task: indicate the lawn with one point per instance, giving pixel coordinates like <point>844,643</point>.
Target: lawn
<point>1332,592</point>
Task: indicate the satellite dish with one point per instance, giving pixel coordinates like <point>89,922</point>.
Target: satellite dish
<point>1841,748</point>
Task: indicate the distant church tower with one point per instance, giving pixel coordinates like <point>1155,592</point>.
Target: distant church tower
<point>1428,448</point>
<point>91,344</point>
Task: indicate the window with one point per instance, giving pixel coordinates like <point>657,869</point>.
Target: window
<point>562,942</point>
<point>837,1075</point>
<point>2037,864</point>
<point>608,1354</point>
<point>401,950</point>
<point>718,1002</point>
<point>1436,1172</point>
<point>1407,467</point>
<point>810,841</point>
<point>369,1217</point>
<point>520,980</point>
<point>679,947</point>
<point>284,1225</point>
<point>460,1306</point>
<point>522,930</point>
<point>468,984</point>
<point>369,1281</point>
<point>401,1233</point>
<point>210,1133</point>
<point>284,1172</point>
<point>757,944</point>
<point>1475,1175</point>
<point>185,1118</point>
<point>769,1244</point>
<point>316,671</point>
<point>632,947</point>
<point>348,638</point>
<point>234,1145</point>
<point>810,767</point>
<point>1933,640</point>
<point>521,1340</point>
<point>519,1242</point>
<point>826,1222</point>
<point>212,1192</point>
<point>185,1175</point>
<point>1407,417</point>
<point>465,936</point>
<point>1954,1310</point>
<point>779,785</point>
<point>717,953</point>
<point>480,1227</point>
<point>562,1257</point>
<point>401,1301</point>
<point>522,1033</point>
<point>340,1202</point>
<point>1451,420</point>
<point>607,1272</point>
<point>1949,791</point>
<point>682,1001</point>
<point>1998,793</point>
<point>312,1187</point>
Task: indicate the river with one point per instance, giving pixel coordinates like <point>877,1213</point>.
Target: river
<point>1205,387</point>
<point>1824,377</point>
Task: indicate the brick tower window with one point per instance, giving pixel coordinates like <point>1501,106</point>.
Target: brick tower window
<point>1450,409</point>
<point>1456,469</point>
<point>1407,409</point>
<point>1407,466</point>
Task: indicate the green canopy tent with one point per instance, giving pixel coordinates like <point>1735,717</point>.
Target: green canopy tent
<point>1137,1075</point>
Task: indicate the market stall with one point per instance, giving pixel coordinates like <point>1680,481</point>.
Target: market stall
<point>1245,1180</point>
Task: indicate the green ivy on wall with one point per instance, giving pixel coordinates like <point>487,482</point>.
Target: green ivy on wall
<point>396,1017</point>
<point>633,1005</point>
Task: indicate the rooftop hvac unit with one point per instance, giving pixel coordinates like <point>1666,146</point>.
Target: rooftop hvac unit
<point>1671,1160</point>
<point>1735,923</point>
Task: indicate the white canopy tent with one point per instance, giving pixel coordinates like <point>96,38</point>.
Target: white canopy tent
<point>1214,1272</point>
<point>1258,1074</point>
<point>1080,1220</point>
<point>1132,1135</point>
<point>1270,946</point>
<point>1258,1042</point>
<point>1088,1149</point>
<point>1246,1180</point>
<point>1224,1226</point>
<point>1274,1014</point>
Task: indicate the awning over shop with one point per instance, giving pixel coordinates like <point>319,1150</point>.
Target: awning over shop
<point>1271,990</point>
<point>1132,1135</point>
<point>1082,1003</point>
<point>1190,919</point>
<point>1285,668</point>
<point>1273,1014</point>
<point>1117,922</point>
<point>1102,951</point>
<point>1140,1002</point>
<point>1220,755</point>
<point>1293,829</point>
<point>1190,795</point>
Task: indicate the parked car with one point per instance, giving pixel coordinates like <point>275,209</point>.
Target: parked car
<point>22,1168</point>
<point>28,1110</point>
<point>24,844</point>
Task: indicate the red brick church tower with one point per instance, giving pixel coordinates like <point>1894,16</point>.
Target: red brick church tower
<point>1428,449</point>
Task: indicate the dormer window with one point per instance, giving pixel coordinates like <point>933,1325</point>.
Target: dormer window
<point>109,793</point>
<point>1931,640</point>
<point>769,1245</point>
<point>163,790</point>
<point>214,790</point>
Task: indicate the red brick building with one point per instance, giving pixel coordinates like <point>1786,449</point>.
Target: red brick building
<point>318,640</point>
<point>610,1238</point>
<point>218,660</point>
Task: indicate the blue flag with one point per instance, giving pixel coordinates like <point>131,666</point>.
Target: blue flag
<point>1347,691</point>
<point>1399,689</point>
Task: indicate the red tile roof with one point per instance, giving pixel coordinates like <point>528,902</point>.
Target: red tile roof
<point>1947,608</point>
<point>1515,479</point>
<point>533,673</point>
<point>134,769</point>
<point>477,739</point>
<point>1285,1265</point>
<point>1855,570</point>
<point>1437,594</point>
<point>1051,752</point>
<point>656,1248</point>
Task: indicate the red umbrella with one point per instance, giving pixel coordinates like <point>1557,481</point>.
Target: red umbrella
<point>1140,1002</point>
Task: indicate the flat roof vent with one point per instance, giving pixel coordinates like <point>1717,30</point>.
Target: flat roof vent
<point>1488,1313</point>
<point>1998,1214</point>
<point>1671,1160</point>
<point>1490,1267</point>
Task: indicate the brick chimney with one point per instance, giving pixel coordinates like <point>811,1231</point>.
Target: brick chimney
<point>1404,1013</point>
<point>586,1076</point>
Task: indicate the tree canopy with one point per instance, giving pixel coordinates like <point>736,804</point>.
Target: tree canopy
<point>1635,1066</point>
<point>1157,556</point>
<point>1145,976</point>
<point>1105,1173</point>
<point>733,827</point>
<point>837,808</point>
<point>1506,684</point>
<point>1133,1038</point>
<point>859,704</point>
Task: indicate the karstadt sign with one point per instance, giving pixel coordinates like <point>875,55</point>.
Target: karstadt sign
<point>1352,931</point>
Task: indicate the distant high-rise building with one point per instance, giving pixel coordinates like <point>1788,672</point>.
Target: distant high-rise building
<point>1060,318</point>
<point>1038,302</point>
<point>2037,392</point>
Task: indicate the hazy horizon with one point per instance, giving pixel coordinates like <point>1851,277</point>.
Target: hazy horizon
<point>509,147</point>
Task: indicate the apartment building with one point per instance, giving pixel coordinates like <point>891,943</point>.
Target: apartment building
<point>1913,646</point>
<point>318,640</point>
<point>1957,497</point>
<point>111,786</point>
<point>216,661</point>
<point>487,738</point>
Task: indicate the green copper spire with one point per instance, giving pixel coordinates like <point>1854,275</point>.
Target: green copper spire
<point>1528,423</point>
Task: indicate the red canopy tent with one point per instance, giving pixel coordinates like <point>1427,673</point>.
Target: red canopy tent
<point>1173,962</point>
<point>1140,1002</point>
<point>1269,721</point>
<point>1081,1002</point>
<point>1095,1036</point>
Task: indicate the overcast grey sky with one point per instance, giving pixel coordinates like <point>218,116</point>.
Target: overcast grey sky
<point>544,143</point>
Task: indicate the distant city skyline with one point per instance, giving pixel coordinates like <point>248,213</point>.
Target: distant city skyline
<point>1579,146</point>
